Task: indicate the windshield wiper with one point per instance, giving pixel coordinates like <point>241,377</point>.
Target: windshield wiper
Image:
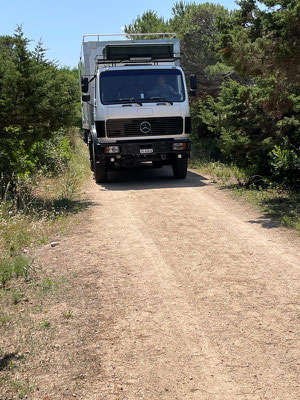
<point>160,99</point>
<point>130,100</point>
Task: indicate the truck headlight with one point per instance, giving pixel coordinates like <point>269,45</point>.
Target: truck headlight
<point>112,149</point>
<point>179,146</point>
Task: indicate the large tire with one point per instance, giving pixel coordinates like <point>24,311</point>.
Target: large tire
<point>91,154</point>
<point>180,168</point>
<point>85,137</point>
<point>100,172</point>
<point>91,165</point>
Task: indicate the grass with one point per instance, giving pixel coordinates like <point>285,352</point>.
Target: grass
<point>28,323</point>
<point>27,326</point>
<point>51,286</point>
<point>5,319</point>
<point>68,314</point>
<point>281,206</point>
<point>202,158</point>
<point>45,323</point>
<point>219,171</point>
<point>23,388</point>
<point>16,296</point>
<point>33,212</point>
<point>13,267</point>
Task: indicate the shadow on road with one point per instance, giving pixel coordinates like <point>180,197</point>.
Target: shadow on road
<point>7,358</point>
<point>147,177</point>
<point>266,221</point>
<point>283,210</point>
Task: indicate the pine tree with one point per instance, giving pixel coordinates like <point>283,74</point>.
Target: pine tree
<point>36,100</point>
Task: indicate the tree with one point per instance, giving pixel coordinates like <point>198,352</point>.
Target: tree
<point>196,26</point>
<point>36,100</point>
<point>147,23</point>
<point>258,122</point>
<point>262,38</point>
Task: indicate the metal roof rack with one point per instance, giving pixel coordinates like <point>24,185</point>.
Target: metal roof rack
<point>140,61</point>
<point>127,35</point>
<point>137,52</point>
<point>131,49</point>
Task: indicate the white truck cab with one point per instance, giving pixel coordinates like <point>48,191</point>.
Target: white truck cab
<point>134,103</point>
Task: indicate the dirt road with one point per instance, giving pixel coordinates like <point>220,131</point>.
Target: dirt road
<point>180,292</point>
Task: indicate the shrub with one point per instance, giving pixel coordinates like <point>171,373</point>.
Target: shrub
<point>13,267</point>
<point>285,166</point>
<point>54,154</point>
<point>37,100</point>
<point>256,127</point>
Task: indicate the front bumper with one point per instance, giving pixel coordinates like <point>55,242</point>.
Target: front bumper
<point>159,150</point>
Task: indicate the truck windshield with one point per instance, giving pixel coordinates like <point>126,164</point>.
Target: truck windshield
<point>139,86</point>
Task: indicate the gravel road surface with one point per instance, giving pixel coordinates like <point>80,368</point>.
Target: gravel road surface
<point>181,292</point>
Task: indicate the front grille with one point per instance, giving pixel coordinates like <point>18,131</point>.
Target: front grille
<point>132,127</point>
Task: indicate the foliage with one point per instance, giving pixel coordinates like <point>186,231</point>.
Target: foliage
<point>262,38</point>
<point>285,165</point>
<point>31,208</point>
<point>147,23</point>
<point>252,122</point>
<point>256,121</point>
<point>37,99</point>
<point>54,154</point>
<point>196,26</point>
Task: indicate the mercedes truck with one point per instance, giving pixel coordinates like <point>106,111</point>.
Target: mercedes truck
<point>135,106</point>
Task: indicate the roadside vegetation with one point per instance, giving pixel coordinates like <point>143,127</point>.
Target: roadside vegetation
<point>278,204</point>
<point>246,116</point>
<point>43,162</point>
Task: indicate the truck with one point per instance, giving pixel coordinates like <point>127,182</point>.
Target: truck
<point>135,106</point>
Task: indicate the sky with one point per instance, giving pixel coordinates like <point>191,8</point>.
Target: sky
<point>62,23</point>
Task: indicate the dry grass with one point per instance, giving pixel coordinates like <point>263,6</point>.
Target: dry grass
<point>33,210</point>
<point>26,328</point>
<point>280,205</point>
<point>36,212</point>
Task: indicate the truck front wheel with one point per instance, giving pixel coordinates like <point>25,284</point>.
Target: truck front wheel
<point>180,168</point>
<point>91,154</point>
<point>100,172</point>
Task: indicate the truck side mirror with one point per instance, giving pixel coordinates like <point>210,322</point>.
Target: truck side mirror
<point>193,85</point>
<point>86,98</point>
<point>84,85</point>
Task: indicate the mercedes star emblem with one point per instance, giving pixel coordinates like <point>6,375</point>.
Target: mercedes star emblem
<point>145,127</point>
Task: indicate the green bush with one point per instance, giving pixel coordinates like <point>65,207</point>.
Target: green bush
<point>37,100</point>
<point>285,166</point>
<point>256,126</point>
<point>54,154</point>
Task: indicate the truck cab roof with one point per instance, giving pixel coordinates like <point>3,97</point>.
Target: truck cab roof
<point>96,53</point>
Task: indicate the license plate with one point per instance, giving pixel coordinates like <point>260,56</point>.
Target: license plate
<point>146,151</point>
